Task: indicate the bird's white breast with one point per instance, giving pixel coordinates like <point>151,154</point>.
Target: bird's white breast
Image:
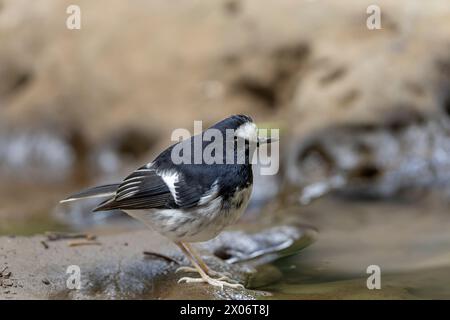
<point>197,224</point>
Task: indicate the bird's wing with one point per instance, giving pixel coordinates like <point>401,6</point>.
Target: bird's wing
<point>143,189</point>
<point>148,188</point>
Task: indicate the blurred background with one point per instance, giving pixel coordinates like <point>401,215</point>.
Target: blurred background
<point>364,118</point>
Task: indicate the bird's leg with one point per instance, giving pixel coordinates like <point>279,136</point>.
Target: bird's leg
<point>197,258</point>
<point>193,253</point>
<point>204,277</point>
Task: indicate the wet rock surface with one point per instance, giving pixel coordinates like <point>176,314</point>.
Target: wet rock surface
<point>115,267</point>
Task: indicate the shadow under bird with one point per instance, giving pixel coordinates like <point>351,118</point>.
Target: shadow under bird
<point>190,201</point>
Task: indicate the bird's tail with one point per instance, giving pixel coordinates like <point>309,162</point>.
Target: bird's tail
<point>107,190</point>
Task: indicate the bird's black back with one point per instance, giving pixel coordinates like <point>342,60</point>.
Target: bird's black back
<point>195,180</point>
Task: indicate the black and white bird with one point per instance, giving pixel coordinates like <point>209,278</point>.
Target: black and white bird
<point>190,201</point>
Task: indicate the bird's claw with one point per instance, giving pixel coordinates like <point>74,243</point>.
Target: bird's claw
<point>220,275</point>
<point>214,282</point>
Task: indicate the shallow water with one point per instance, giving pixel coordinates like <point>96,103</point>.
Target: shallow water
<point>408,240</point>
<point>420,284</point>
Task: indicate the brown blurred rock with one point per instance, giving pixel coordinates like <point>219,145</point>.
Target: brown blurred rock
<point>356,75</point>
<point>154,66</point>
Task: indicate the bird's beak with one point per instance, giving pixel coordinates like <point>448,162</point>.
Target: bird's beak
<point>264,140</point>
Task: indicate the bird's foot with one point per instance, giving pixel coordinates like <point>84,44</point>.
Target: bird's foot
<point>214,282</point>
<point>226,276</point>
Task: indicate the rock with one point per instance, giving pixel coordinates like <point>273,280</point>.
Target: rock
<point>369,116</point>
<point>356,75</point>
<point>102,93</point>
<point>115,271</point>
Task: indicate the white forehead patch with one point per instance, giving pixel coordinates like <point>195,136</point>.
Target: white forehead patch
<point>247,131</point>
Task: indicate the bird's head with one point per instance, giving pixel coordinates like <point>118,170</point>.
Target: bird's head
<point>243,129</point>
